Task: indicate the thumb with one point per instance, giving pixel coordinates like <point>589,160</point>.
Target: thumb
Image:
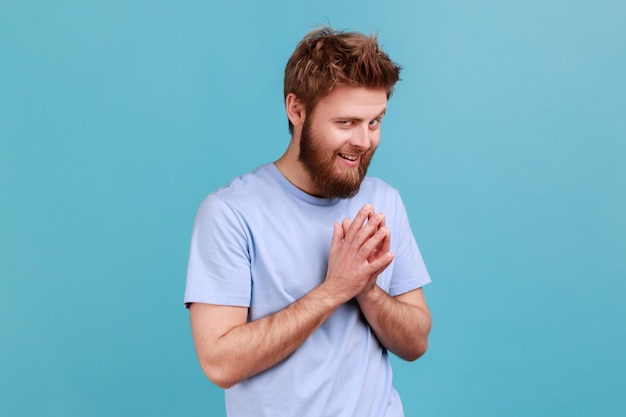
<point>338,235</point>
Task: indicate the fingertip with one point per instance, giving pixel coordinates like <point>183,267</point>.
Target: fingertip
<point>389,256</point>
<point>367,208</point>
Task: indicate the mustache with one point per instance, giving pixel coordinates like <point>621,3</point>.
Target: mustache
<point>353,151</point>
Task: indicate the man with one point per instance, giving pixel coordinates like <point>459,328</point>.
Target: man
<point>292,308</point>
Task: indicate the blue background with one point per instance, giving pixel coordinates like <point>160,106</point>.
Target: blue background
<point>506,138</point>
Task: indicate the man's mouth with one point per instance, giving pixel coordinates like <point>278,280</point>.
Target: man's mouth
<point>349,157</point>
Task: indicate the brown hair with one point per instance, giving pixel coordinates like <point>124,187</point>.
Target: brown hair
<point>326,58</point>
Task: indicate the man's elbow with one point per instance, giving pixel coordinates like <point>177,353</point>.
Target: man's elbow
<point>218,374</point>
<point>414,351</point>
<point>420,343</point>
<point>418,351</point>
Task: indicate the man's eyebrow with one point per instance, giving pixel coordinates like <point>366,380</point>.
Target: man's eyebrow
<point>380,116</point>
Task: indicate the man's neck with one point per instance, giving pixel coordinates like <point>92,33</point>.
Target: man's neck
<point>292,169</point>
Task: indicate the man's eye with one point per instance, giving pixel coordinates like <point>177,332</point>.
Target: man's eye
<point>345,122</point>
<point>375,123</point>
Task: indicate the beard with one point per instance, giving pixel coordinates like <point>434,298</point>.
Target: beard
<point>329,181</point>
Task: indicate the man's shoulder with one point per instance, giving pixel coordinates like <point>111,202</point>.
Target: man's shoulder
<point>246,185</point>
<point>380,194</point>
<point>243,191</point>
<point>377,185</point>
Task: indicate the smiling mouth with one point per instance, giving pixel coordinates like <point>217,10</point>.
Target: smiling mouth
<point>349,157</point>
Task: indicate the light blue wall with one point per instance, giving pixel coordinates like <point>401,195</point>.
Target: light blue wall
<point>506,137</point>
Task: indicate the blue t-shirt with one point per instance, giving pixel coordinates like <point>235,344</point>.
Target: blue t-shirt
<point>262,243</point>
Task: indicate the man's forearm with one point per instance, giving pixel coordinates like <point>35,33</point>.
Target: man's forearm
<point>252,347</point>
<point>400,323</point>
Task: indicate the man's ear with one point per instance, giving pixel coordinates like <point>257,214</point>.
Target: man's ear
<point>295,109</point>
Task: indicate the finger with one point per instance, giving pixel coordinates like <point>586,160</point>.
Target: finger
<point>346,225</point>
<point>364,213</point>
<point>378,265</point>
<point>371,243</point>
<point>337,236</point>
<point>368,230</point>
<point>386,244</point>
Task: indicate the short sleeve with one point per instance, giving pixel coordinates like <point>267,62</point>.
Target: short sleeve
<point>218,271</point>
<point>409,271</point>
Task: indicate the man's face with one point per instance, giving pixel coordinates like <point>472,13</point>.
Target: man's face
<point>339,138</point>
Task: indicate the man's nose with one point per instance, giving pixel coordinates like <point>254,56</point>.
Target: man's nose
<point>361,137</point>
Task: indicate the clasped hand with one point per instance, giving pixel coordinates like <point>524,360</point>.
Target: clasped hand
<point>359,252</point>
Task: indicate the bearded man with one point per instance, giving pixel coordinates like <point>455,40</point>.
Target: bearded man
<point>304,273</point>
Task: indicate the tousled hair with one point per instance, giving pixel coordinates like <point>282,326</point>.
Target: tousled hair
<point>325,58</point>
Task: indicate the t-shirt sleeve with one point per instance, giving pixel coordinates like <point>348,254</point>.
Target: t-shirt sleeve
<point>218,271</point>
<point>409,271</point>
